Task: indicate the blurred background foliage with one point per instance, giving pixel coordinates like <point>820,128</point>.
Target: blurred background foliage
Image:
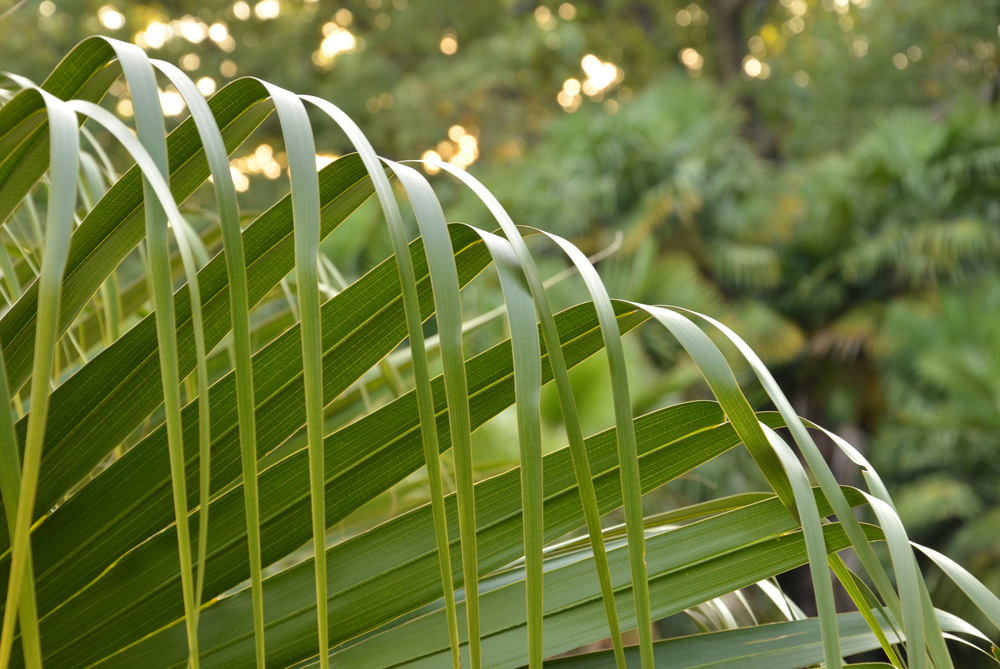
<point>823,175</point>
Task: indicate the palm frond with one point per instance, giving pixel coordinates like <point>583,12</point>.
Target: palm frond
<point>160,520</point>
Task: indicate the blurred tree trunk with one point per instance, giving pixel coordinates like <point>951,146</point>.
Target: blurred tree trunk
<point>730,42</point>
<point>731,18</point>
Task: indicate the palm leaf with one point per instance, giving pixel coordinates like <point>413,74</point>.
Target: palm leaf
<point>125,547</point>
